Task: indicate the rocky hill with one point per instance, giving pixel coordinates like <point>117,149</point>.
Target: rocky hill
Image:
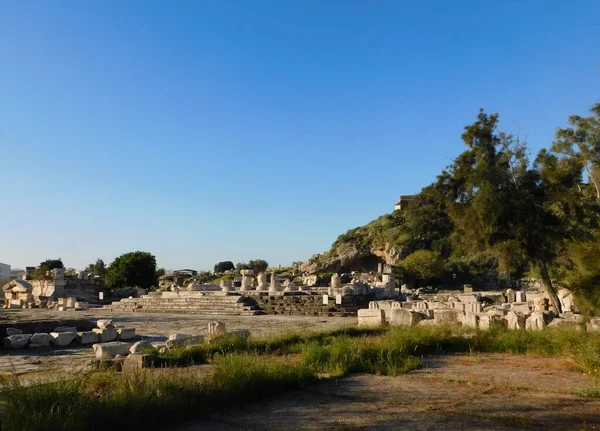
<point>361,249</point>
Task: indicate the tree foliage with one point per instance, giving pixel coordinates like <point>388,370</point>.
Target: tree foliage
<point>41,272</point>
<point>98,268</point>
<point>224,266</point>
<point>134,269</point>
<point>423,265</point>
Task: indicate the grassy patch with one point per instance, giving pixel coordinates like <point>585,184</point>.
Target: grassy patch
<point>248,370</point>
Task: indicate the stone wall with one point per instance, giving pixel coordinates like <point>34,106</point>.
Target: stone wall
<point>309,305</point>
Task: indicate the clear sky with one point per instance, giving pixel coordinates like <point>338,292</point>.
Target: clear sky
<point>204,131</point>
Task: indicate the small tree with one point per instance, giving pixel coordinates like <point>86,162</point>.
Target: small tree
<point>258,265</point>
<point>226,265</point>
<point>423,265</point>
<point>98,268</point>
<point>41,272</point>
<point>135,269</point>
<point>160,272</point>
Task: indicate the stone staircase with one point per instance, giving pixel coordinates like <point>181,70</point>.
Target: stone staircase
<point>208,303</point>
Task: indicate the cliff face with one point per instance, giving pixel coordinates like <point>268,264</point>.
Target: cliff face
<point>360,249</point>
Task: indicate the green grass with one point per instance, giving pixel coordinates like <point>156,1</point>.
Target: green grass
<point>249,370</point>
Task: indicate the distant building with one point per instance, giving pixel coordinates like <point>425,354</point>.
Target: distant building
<point>403,202</point>
<point>188,272</point>
<point>4,270</point>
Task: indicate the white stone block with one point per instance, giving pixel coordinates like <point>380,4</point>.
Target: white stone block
<point>141,347</point>
<point>106,335</point>
<point>470,320</point>
<point>105,324</point>
<point>125,333</point>
<point>368,317</point>
<point>467,298</point>
<point>87,337</point>
<point>520,307</point>
<point>110,350</point>
<point>17,341</point>
<point>535,322</point>
<point>520,296</point>
<point>325,299</point>
<point>62,339</point>
<point>515,320</point>
<point>401,317</point>
<point>446,316</point>
<point>338,299</point>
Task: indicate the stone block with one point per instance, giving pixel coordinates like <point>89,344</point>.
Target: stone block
<point>17,341</point>
<point>325,299</point>
<point>81,306</point>
<point>110,350</point>
<point>13,331</point>
<point>520,296</point>
<point>338,299</point>
<point>135,363</point>
<point>105,324</point>
<point>40,339</point>
<point>142,347</point>
<point>178,340</point>
<point>65,329</point>
<point>520,307</point>
<point>106,335</point>
<point>446,316</point>
<point>535,322</point>
<point>87,337</point>
<point>593,324</point>
<point>467,298</point>
<point>515,320</point>
<point>401,317</point>
<point>368,317</point>
<point>62,339</point>
<point>470,320</point>
<point>487,321</point>
<point>468,288</point>
<point>125,333</point>
<point>565,323</point>
<point>427,322</point>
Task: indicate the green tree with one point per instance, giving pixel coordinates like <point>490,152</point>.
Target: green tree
<point>134,269</point>
<point>98,268</point>
<point>160,272</point>
<point>499,204</point>
<point>41,272</point>
<point>581,143</point>
<point>583,273</point>
<point>226,265</point>
<point>258,265</point>
<point>422,265</point>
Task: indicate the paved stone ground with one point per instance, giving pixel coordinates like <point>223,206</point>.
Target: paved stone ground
<point>459,392</point>
<point>156,325</point>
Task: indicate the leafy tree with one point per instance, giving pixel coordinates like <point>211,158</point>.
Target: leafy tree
<point>240,266</point>
<point>423,265</point>
<point>134,269</point>
<point>426,224</point>
<point>98,268</point>
<point>258,265</point>
<point>581,143</point>
<point>160,272</point>
<point>41,272</point>
<point>583,273</point>
<point>224,266</point>
<point>498,203</point>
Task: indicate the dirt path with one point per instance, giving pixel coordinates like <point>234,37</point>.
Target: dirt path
<point>459,392</point>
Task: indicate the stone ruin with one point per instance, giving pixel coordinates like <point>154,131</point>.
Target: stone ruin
<point>482,310</point>
<point>63,336</point>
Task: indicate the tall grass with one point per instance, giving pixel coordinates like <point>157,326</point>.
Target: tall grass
<point>247,370</point>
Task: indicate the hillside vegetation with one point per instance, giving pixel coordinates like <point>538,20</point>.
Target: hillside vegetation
<point>495,212</point>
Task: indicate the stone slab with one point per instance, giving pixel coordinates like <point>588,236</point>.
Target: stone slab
<point>368,317</point>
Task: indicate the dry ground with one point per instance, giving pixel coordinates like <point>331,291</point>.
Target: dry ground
<point>458,392</point>
<point>148,325</point>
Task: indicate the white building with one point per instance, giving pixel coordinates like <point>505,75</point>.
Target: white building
<point>4,270</point>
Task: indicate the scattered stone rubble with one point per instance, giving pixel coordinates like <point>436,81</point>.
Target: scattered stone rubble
<point>482,310</point>
<point>63,336</point>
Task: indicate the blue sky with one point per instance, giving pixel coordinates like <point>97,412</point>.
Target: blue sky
<point>204,131</point>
